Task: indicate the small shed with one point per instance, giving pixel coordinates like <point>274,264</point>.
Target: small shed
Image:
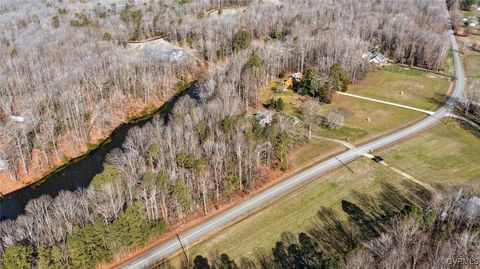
<point>264,117</point>
<point>295,120</point>
<point>378,59</point>
<point>3,165</point>
<point>473,21</point>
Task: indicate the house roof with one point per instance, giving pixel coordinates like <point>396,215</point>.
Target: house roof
<point>3,165</point>
<point>378,58</point>
<point>297,75</point>
<point>263,115</point>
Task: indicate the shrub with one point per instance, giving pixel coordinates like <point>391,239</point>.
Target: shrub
<point>241,40</point>
<point>334,119</point>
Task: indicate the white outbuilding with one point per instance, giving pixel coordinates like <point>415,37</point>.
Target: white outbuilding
<point>378,59</point>
<point>3,165</point>
<point>264,117</point>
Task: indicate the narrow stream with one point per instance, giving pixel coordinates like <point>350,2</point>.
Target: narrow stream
<point>80,173</point>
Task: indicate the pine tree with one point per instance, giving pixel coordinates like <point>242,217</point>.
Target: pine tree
<point>241,40</point>
<point>18,256</point>
<point>50,257</point>
<point>182,192</point>
<point>339,78</point>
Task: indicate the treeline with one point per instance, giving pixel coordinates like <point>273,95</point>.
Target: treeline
<point>393,229</point>
<point>68,73</point>
<point>84,247</point>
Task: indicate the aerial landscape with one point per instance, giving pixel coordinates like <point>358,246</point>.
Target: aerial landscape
<point>239,134</point>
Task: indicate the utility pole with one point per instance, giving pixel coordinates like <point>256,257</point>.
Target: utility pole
<point>183,249</point>
<point>345,165</point>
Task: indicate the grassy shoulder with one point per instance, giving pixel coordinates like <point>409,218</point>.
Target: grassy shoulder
<point>312,152</point>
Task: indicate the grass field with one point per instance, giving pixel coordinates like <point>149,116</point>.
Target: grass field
<point>404,86</point>
<point>447,153</point>
<point>365,120</point>
<point>472,64</point>
<point>442,154</point>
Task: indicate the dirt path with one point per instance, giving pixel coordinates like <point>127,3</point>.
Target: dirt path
<point>387,103</point>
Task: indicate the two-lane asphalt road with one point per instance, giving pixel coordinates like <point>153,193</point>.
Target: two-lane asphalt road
<point>165,249</point>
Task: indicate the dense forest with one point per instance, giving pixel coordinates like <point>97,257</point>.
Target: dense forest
<point>69,72</point>
<point>392,229</point>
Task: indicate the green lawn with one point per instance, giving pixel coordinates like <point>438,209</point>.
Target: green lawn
<point>365,120</point>
<point>472,64</point>
<point>404,86</point>
<point>290,98</point>
<point>467,14</point>
<point>445,153</point>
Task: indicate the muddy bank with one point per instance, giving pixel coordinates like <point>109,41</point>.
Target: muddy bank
<point>80,171</point>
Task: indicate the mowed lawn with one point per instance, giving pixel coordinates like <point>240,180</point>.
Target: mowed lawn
<point>442,154</point>
<point>445,153</point>
<point>472,64</point>
<point>365,120</point>
<point>404,86</point>
<point>294,212</point>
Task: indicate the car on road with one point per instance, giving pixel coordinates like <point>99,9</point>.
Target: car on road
<point>377,159</point>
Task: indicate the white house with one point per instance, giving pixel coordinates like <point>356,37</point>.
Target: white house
<point>378,59</point>
<point>264,117</point>
<point>471,21</point>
